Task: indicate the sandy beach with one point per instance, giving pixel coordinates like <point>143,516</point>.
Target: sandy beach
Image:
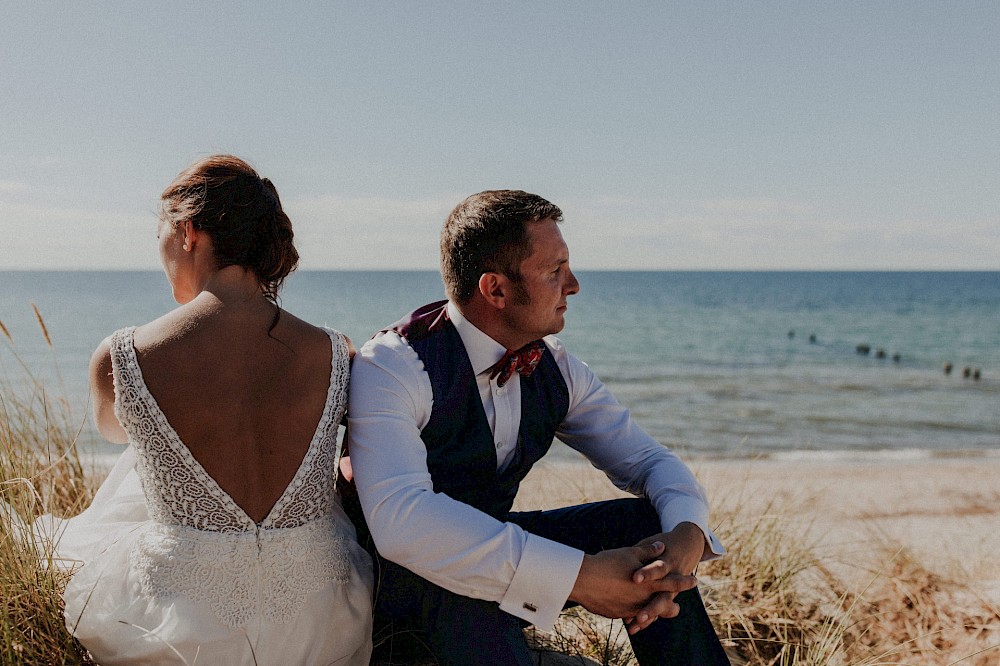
<point>944,511</point>
<point>912,542</point>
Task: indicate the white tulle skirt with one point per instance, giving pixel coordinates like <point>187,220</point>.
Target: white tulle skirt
<point>110,610</point>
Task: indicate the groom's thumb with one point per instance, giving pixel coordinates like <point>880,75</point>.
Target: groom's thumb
<point>657,548</point>
<point>650,551</point>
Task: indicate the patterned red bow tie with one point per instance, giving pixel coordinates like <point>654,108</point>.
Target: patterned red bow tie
<point>524,361</point>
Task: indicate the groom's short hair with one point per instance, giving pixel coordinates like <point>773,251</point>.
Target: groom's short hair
<point>488,233</point>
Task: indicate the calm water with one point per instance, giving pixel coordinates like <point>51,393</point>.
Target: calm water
<point>711,363</point>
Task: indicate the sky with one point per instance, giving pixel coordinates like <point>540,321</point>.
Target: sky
<point>673,135</point>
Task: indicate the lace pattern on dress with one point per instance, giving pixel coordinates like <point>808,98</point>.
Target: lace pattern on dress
<point>239,575</point>
<point>202,544</point>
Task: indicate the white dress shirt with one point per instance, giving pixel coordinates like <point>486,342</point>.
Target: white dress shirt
<point>461,548</point>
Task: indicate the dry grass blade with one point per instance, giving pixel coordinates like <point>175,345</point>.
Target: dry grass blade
<point>41,325</point>
<point>6,332</point>
<point>584,639</point>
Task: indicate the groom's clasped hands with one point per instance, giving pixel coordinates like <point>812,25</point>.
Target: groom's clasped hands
<point>638,583</point>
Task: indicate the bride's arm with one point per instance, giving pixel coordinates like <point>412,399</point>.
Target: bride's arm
<point>102,387</point>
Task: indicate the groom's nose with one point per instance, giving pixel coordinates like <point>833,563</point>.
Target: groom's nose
<point>572,285</point>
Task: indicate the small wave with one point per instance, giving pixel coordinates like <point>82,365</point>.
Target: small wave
<point>876,455</point>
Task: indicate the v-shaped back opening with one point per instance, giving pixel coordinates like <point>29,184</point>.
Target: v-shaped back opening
<point>199,469</point>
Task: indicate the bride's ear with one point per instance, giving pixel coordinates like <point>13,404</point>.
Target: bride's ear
<point>190,235</point>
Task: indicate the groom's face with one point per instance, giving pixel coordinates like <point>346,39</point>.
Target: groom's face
<point>546,282</point>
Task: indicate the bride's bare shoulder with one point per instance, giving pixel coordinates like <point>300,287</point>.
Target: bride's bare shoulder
<point>314,336</point>
<point>168,327</point>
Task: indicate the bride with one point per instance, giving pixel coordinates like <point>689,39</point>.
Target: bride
<point>218,537</point>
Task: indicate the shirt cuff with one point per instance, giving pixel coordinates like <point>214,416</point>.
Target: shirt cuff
<point>691,510</point>
<point>543,581</point>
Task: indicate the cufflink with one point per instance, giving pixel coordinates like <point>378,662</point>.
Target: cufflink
<point>530,607</point>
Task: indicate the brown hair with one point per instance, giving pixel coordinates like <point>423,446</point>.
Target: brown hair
<point>224,197</point>
<point>488,233</point>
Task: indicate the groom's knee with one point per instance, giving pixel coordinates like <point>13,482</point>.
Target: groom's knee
<point>596,526</point>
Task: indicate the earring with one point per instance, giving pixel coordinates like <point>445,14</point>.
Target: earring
<point>185,246</point>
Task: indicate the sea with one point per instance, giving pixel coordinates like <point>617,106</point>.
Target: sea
<point>730,365</point>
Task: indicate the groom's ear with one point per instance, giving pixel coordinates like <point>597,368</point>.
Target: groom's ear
<point>494,287</point>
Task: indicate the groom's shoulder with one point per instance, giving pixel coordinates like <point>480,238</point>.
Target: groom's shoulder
<point>390,351</point>
<point>385,343</point>
<point>395,338</point>
<point>422,322</point>
<point>386,360</point>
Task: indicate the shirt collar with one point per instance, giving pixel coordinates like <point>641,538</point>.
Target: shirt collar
<point>483,351</point>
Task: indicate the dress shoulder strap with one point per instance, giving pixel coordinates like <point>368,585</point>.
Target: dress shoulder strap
<point>124,364</point>
<point>340,375</point>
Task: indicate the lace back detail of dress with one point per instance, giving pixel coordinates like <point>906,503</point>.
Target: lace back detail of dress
<point>311,492</point>
<point>178,489</point>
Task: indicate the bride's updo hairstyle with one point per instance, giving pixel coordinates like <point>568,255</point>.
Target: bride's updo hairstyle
<point>224,197</point>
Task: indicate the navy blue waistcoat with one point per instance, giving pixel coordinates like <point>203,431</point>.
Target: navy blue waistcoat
<point>461,454</point>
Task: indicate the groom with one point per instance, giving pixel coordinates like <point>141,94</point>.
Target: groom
<point>449,409</point>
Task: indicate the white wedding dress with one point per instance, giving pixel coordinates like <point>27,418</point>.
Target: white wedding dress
<point>169,569</point>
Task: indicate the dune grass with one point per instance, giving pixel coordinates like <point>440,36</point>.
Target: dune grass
<point>776,602</point>
<point>40,472</point>
<point>772,599</point>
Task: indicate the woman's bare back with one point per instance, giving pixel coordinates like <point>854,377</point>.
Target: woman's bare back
<point>244,401</point>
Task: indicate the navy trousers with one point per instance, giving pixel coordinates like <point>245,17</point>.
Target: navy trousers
<point>460,631</point>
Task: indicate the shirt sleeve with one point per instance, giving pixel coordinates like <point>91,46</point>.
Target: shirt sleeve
<point>440,539</point>
<point>603,431</point>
